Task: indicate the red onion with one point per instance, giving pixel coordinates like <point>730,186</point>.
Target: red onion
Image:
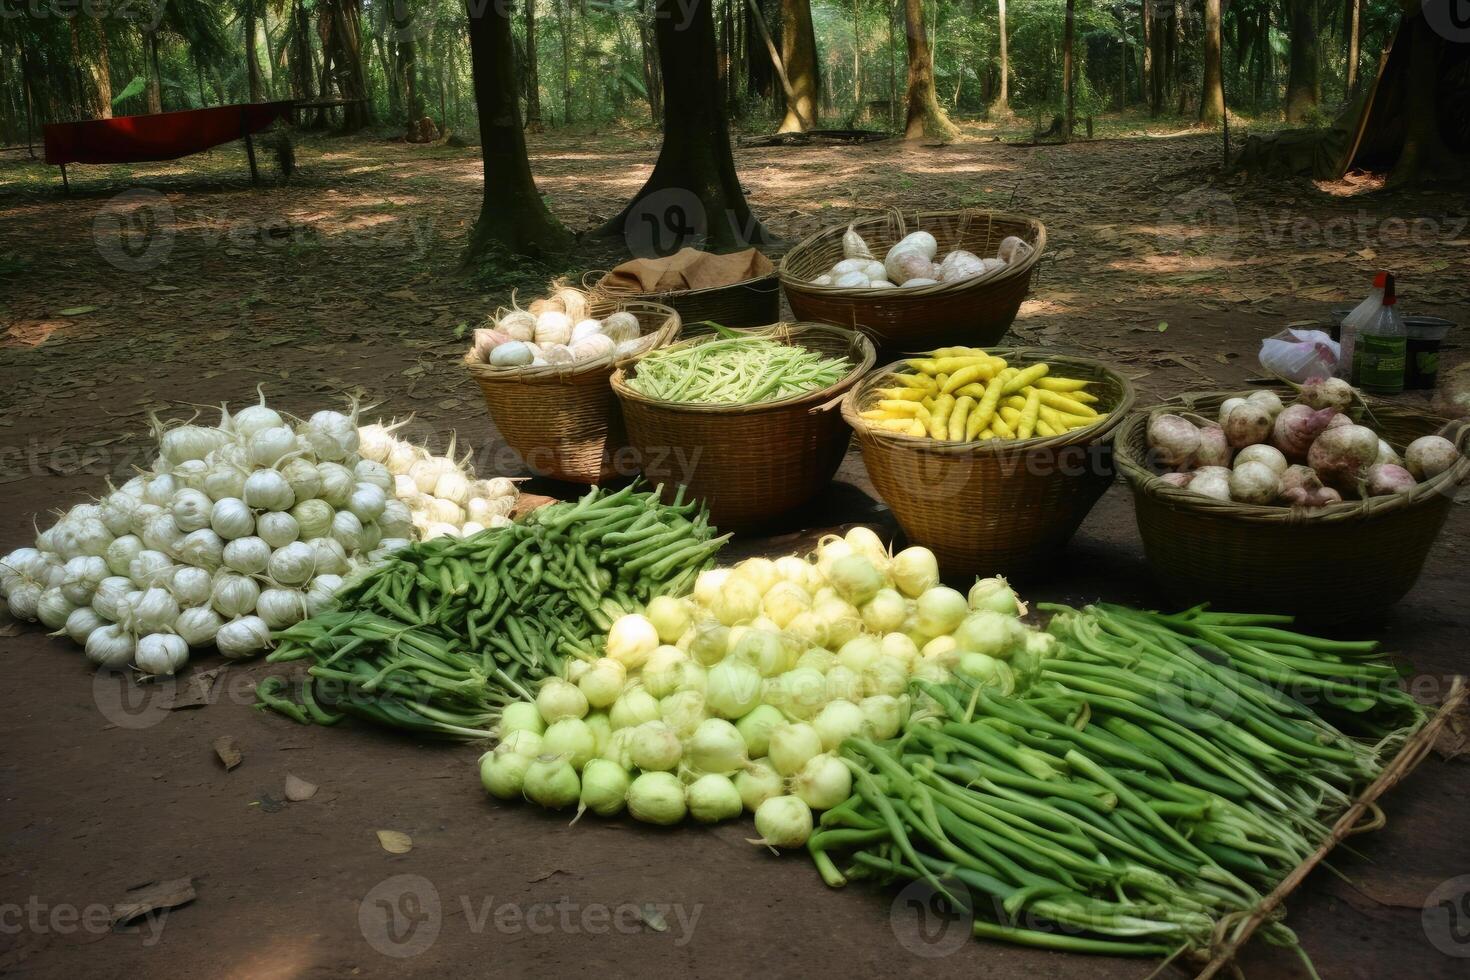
<point>1299,477</point>
<point>1174,440</point>
<point>1246,425</point>
<point>1254,483</point>
<point>1302,497</point>
<point>1341,456</point>
<point>1327,393</point>
<point>1214,448</point>
<point>1429,456</point>
<point>1385,479</point>
<point>1297,427</point>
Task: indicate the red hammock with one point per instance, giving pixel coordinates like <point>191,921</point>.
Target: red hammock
<point>159,136</point>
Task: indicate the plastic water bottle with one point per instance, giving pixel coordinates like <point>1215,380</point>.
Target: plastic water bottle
<point>1380,353</point>
<point>1352,325</point>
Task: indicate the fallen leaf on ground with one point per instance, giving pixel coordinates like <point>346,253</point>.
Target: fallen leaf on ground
<point>228,751</point>
<point>653,918</point>
<point>153,897</point>
<point>395,841</point>
<point>298,789</point>
<point>76,310</point>
<point>197,689</point>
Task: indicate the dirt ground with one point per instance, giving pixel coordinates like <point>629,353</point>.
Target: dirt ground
<point>159,287</point>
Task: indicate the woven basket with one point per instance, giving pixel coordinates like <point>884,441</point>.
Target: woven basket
<point>749,463</point>
<point>1344,561</point>
<point>972,313</point>
<point>563,421</point>
<point>995,506</point>
<point>749,303</point>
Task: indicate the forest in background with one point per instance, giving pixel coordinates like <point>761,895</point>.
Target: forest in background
<point>782,64</point>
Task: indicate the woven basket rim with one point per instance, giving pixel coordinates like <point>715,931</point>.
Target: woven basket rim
<point>996,447</point>
<point>781,331</point>
<point>610,361</point>
<point>1144,481</point>
<point>790,281</point>
<point>596,288</point>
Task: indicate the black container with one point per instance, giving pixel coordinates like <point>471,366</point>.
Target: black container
<point>1421,350</point>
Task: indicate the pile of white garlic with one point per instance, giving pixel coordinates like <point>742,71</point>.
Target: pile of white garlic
<point>912,263</point>
<point>238,529</point>
<point>442,494</point>
<point>235,530</point>
<point>557,330</point>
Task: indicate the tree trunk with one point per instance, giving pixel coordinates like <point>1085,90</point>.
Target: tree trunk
<point>301,52</point>
<point>513,217</point>
<point>799,56</point>
<point>1069,94</point>
<point>405,62</point>
<point>155,77</point>
<point>533,79</point>
<point>1355,16</point>
<point>652,83</point>
<point>693,192</point>
<point>923,115</point>
<point>857,61</point>
<point>1212,97</point>
<point>1265,54</point>
<point>252,56</point>
<point>1146,32</point>
<point>1303,84</point>
<point>103,71</point>
<point>892,69</point>
<point>563,26</point>
<point>1002,106</point>
<point>1424,156</point>
<point>1160,32</point>
<point>340,24</point>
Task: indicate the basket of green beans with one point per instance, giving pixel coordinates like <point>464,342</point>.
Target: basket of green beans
<point>740,417</point>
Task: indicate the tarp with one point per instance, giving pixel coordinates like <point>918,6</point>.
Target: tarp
<point>159,136</point>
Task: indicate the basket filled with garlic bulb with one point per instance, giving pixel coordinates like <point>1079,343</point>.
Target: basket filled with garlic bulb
<point>931,279</point>
<point>544,373</point>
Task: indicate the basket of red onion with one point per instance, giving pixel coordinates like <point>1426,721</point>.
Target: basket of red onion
<point>1303,501</point>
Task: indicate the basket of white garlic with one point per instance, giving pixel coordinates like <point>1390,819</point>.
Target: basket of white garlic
<point>544,373</point>
<point>235,530</point>
<point>935,279</point>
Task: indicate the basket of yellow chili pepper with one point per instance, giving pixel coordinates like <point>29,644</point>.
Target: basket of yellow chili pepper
<point>991,459</point>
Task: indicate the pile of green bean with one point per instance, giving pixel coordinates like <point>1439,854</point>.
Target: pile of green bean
<point>1138,797</point>
<point>735,371</point>
<point>444,633</point>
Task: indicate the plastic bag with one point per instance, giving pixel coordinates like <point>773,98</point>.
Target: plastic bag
<point>1300,355</point>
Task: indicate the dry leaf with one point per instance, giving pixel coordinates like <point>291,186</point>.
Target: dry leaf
<point>298,789</point>
<point>198,687</point>
<point>395,841</point>
<point>228,751</point>
<point>152,897</point>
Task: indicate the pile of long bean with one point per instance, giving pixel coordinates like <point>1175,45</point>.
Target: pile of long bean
<point>444,633</point>
<point>1136,798</point>
<point>735,371</point>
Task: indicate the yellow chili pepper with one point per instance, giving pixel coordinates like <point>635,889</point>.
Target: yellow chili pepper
<point>968,375</point>
<point>1001,428</point>
<point>899,406</point>
<point>1027,424</point>
<point>1064,404</point>
<point>908,394</point>
<point>939,417</point>
<point>1054,383</point>
<point>1025,377</point>
<point>975,391</point>
<point>960,417</point>
<point>986,410</point>
<point>1043,429</point>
